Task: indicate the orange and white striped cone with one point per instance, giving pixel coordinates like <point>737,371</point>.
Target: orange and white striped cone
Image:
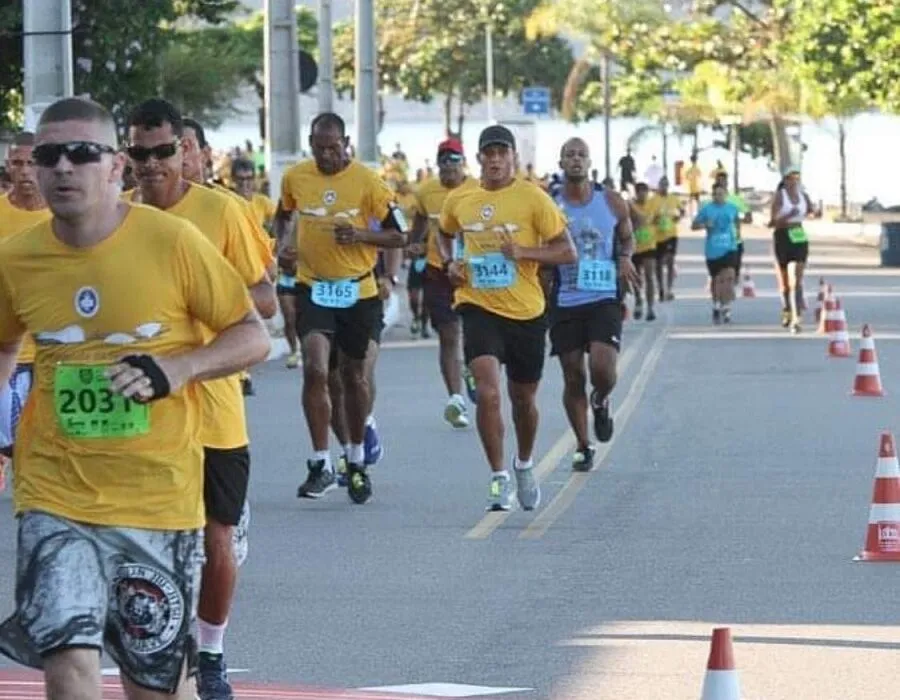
<point>820,299</point>
<point>883,532</point>
<point>868,376</point>
<point>839,341</point>
<point>748,291</point>
<point>721,681</point>
<point>828,315</point>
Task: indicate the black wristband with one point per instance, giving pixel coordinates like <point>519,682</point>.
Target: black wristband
<point>159,382</point>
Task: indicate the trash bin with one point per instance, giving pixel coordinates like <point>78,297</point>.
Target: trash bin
<point>890,244</point>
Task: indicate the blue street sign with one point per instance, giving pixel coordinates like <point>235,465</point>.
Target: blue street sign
<point>536,100</point>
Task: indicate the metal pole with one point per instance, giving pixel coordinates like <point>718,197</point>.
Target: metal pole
<point>607,108</point>
<point>366,83</point>
<point>47,48</point>
<point>489,70</point>
<point>282,68</point>
<point>736,146</point>
<point>326,58</point>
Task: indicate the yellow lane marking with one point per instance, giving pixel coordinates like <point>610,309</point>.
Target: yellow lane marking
<point>494,519</point>
<point>566,495</point>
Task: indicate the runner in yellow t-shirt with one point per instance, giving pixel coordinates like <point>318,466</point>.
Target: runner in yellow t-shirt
<point>156,150</point>
<point>436,287</point>
<point>346,212</point>
<point>692,176</point>
<point>664,211</point>
<point>109,462</point>
<point>644,256</point>
<point>509,228</point>
<point>197,159</point>
<point>21,208</point>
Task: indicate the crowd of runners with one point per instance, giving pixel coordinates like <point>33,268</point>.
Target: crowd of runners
<point>128,314</point>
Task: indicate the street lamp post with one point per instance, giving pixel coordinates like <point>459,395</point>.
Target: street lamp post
<point>605,69</point>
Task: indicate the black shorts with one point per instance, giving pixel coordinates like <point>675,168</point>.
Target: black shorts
<point>349,329</point>
<point>716,266</point>
<point>282,289</point>
<point>786,251</point>
<point>669,247</point>
<point>638,258</point>
<point>576,327</point>
<point>439,297</point>
<point>334,356</point>
<point>520,345</point>
<point>414,278</point>
<point>226,476</point>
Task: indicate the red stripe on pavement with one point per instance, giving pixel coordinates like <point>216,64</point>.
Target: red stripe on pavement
<point>19,685</point>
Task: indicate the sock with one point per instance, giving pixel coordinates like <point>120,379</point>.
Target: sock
<point>210,638</point>
<point>370,422</point>
<point>346,449</point>
<point>356,454</point>
<point>520,465</point>
<point>502,474</point>
<point>325,456</point>
<point>458,399</point>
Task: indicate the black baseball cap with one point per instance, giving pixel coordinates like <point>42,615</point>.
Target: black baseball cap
<point>496,135</point>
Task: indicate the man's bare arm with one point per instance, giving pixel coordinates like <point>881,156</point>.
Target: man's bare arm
<point>8,354</point>
<point>284,224</point>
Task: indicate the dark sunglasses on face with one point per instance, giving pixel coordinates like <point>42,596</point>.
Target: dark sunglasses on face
<point>47,155</point>
<point>161,152</point>
<point>449,158</point>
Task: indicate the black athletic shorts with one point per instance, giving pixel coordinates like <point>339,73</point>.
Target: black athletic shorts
<point>576,327</point>
<point>416,279</point>
<point>438,296</point>
<point>520,345</point>
<point>334,356</point>
<point>638,258</point>
<point>787,251</point>
<point>226,476</point>
<point>716,266</point>
<point>349,329</point>
<point>667,247</point>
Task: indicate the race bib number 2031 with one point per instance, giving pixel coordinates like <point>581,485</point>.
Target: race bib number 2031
<point>86,408</point>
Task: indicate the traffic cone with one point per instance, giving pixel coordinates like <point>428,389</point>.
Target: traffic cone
<point>820,299</point>
<point>721,681</point>
<point>827,317</point>
<point>749,289</point>
<point>868,376</point>
<point>839,340</point>
<point>883,532</point>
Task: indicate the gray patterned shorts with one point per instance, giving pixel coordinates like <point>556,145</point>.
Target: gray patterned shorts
<point>129,591</point>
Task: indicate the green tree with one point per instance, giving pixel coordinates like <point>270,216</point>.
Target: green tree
<point>436,48</point>
<point>118,54</point>
<point>847,64</point>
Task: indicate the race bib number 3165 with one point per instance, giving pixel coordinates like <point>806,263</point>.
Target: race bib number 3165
<point>86,408</point>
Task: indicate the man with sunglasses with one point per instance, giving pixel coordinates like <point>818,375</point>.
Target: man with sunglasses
<point>21,208</point>
<point>346,213</point>
<point>197,164</point>
<point>438,291</point>
<point>109,480</point>
<point>156,148</point>
<point>509,228</point>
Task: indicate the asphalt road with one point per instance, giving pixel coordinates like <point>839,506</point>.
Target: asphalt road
<point>735,492</point>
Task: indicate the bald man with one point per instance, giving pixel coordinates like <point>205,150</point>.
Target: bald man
<point>586,310</point>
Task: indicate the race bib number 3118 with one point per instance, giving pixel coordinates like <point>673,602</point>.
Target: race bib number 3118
<point>86,408</point>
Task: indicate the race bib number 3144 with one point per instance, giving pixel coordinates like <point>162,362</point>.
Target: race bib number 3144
<point>86,408</point>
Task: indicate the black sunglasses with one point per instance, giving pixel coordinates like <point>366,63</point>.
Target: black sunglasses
<point>449,157</point>
<point>161,152</point>
<point>47,155</point>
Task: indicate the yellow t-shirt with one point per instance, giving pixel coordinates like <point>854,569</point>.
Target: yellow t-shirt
<point>431,195</point>
<point>408,204</point>
<point>644,235</point>
<point>524,212</point>
<point>14,219</point>
<point>95,305</point>
<point>261,240</point>
<point>692,176</point>
<point>668,208</point>
<point>223,222</point>
<point>356,195</point>
<point>263,207</point>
